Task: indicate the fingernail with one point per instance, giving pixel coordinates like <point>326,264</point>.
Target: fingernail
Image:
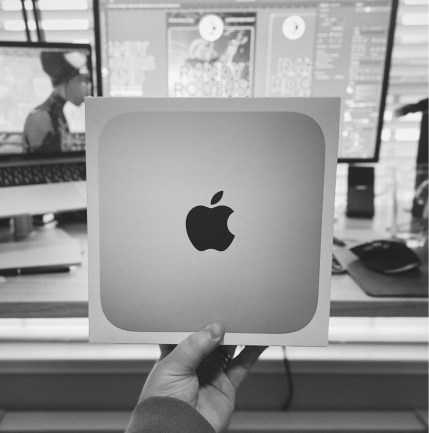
<point>215,330</point>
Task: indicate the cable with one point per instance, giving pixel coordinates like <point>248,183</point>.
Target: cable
<point>97,38</point>
<point>289,377</point>
<point>38,21</point>
<point>25,18</point>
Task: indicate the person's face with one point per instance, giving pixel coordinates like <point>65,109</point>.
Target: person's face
<point>77,88</point>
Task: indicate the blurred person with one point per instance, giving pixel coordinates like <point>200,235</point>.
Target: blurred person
<point>46,128</point>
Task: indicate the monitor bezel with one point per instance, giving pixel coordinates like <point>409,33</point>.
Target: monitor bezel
<point>384,90</point>
<point>385,83</point>
<point>59,45</point>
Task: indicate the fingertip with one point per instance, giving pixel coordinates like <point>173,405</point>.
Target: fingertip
<point>193,349</point>
<point>216,330</point>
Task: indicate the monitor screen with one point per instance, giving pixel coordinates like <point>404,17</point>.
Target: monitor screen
<point>261,48</point>
<point>41,98</point>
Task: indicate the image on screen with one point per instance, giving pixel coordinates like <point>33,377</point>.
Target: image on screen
<point>41,99</point>
<point>201,63</point>
<point>261,49</point>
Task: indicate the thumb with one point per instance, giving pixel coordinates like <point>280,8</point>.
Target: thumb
<point>191,351</point>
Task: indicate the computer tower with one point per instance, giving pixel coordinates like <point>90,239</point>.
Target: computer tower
<point>360,192</point>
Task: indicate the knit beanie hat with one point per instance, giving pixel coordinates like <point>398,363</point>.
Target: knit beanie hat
<point>57,67</point>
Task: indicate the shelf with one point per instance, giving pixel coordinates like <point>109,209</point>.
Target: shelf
<point>243,421</point>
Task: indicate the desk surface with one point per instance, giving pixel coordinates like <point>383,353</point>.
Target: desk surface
<point>66,294</point>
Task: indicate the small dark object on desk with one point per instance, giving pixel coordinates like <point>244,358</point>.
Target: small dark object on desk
<point>387,256</point>
<point>72,217</point>
<point>339,242</point>
<point>28,271</point>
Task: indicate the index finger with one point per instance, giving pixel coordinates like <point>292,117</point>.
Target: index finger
<point>242,363</point>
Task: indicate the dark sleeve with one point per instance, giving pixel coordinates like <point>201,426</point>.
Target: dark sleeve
<point>167,415</point>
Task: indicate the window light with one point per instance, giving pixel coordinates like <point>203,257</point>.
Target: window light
<point>407,134</point>
<point>415,20</point>
<point>415,2</point>
<point>386,134</point>
<point>19,26</point>
<point>76,24</point>
<point>47,5</point>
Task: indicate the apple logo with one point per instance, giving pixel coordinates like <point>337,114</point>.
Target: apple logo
<point>207,227</point>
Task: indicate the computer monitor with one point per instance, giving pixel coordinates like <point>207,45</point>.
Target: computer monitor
<point>42,149</point>
<point>42,127</point>
<point>30,71</point>
<point>274,48</point>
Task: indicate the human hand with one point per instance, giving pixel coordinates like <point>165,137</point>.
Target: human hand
<point>202,374</point>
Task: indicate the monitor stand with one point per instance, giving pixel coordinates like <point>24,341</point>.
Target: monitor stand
<point>25,249</point>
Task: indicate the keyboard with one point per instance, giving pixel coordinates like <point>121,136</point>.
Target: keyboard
<point>46,173</point>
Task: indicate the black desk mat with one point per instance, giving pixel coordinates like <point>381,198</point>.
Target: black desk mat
<point>413,283</point>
